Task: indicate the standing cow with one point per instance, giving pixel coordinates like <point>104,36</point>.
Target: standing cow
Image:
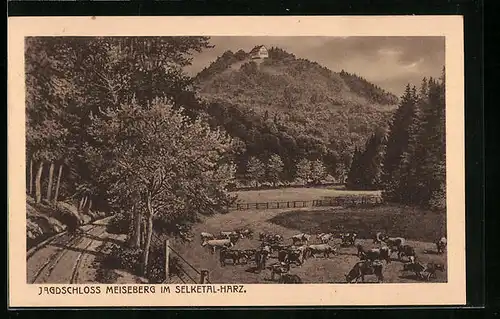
<point>441,245</point>
<point>365,268</point>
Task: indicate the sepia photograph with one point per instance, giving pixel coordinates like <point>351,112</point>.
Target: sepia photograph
<point>236,159</point>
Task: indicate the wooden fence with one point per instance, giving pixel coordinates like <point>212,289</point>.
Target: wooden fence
<point>350,201</point>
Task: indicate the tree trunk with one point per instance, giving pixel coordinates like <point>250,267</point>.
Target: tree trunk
<point>38,183</point>
<point>143,233</point>
<point>80,206</point>
<point>149,234</point>
<point>135,240</point>
<point>90,205</point>
<point>51,178</point>
<point>85,198</point>
<point>58,183</point>
<point>31,177</point>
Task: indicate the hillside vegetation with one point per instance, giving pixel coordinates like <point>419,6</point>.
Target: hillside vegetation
<point>294,108</point>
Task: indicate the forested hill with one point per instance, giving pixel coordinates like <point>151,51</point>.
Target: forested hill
<point>328,113</point>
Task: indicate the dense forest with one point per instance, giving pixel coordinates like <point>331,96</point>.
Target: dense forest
<point>408,162</point>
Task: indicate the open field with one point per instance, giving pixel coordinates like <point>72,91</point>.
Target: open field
<point>419,227</point>
<point>291,194</point>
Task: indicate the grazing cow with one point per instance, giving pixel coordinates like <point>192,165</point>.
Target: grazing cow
<point>234,255</point>
<point>289,279</point>
<point>279,269</point>
<point>431,269</point>
<point>301,238</point>
<point>441,245</point>
<point>364,268</point>
<point>382,253</point>
<point>406,250</point>
<point>206,236</point>
<point>394,242</point>
<point>325,249</point>
<point>348,239</point>
<point>325,238</point>
<point>415,267</point>
<point>215,244</point>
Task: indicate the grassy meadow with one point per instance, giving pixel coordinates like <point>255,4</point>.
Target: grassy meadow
<point>299,194</point>
<point>420,228</point>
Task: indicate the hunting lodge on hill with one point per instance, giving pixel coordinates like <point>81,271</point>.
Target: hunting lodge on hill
<point>259,52</point>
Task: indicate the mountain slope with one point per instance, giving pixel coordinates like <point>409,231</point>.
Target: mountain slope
<point>337,110</point>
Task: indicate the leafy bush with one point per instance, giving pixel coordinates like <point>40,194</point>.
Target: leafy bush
<point>119,224</point>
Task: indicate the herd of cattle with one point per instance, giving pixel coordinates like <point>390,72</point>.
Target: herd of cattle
<point>371,261</point>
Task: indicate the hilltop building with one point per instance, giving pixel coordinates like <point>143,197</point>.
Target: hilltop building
<point>259,52</point>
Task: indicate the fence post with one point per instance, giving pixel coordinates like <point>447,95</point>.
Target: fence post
<point>167,253</point>
<point>294,204</point>
<point>267,205</point>
<point>204,276</point>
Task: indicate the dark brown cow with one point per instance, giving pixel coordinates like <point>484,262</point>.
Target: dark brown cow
<point>289,279</point>
<point>365,268</point>
<point>406,250</point>
<point>234,255</point>
<point>376,254</point>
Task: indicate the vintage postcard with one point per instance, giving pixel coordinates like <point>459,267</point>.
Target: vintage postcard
<point>214,161</point>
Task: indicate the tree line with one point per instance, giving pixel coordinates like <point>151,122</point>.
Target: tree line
<point>409,162</point>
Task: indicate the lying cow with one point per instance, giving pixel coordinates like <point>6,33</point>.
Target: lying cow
<point>302,238</point>
<point>324,249</point>
<point>406,250</point>
<point>289,279</point>
<point>382,253</point>
<point>441,245</point>
<point>234,255</point>
<point>365,268</point>
<point>215,244</point>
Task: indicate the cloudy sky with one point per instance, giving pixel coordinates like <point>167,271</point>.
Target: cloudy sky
<point>390,62</point>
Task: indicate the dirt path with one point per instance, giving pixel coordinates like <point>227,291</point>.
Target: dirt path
<point>68,258</point>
